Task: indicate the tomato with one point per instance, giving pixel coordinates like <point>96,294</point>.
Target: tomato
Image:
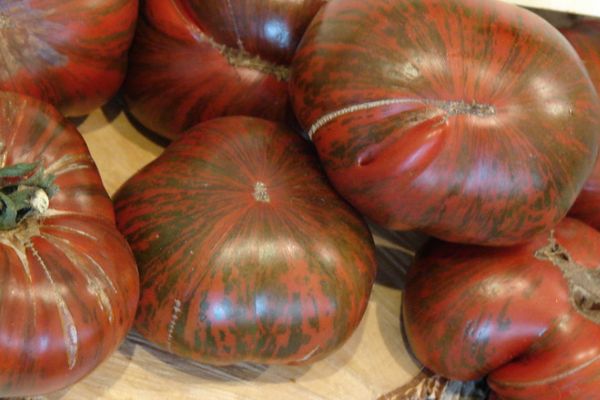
<point>71,53</point>
<point>244,250</point>
<point>68,281</point>
<point>473,121</point>
<point>194,60</point>
<point>585,37</point>
<point>526,316</point>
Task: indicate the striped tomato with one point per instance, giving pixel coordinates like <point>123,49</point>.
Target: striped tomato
<point>471,120</point>
<point>71,53</point>
<point>194,60</point>
<point>525,316</point>
<point>585,37</point>
<point>68,281</point>
<point>245,252</point>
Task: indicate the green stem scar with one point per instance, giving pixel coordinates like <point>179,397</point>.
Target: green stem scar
<point>25,190</point>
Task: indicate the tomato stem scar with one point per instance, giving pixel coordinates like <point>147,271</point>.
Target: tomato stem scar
<point>584,283</point>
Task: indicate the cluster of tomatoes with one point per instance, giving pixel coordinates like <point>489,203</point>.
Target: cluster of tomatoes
<point>474,122</point>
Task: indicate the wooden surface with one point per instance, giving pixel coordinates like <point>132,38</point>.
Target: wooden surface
<point>373,364</point>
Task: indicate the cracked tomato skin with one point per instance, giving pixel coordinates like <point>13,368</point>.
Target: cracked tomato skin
<point>245,251</point>
<point>509,314</point>
<point>68,280</point>
<point>70,53</point>
<point>195,60</point>
<point>473,121</point>
<point>585,38</point>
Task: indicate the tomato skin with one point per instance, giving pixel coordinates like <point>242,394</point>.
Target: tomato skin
<point>68,280</point>
<point>585,38</point>
<point>71,53</point>
<point>510,314</point>
<point>245,252</point>
<point>195,60</point>
<point>455,118</point>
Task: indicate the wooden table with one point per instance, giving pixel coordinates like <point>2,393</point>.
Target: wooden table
<point>371,365</point>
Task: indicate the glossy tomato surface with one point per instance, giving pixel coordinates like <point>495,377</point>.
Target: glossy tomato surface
<point>473,121</point>
<point>245,252</point>
<point>525,316</point>
<point>69,284</point>
<point>585,37</point>
<point>194,60</point>
<point>71,53</point>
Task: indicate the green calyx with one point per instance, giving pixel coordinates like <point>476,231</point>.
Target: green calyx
<point>25,189</point>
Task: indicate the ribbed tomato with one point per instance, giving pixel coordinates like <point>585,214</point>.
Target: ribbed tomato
<point>71,53</point>
<point>194,60</point>
<point>471,120</point>
<point>68,281</point>
<point>585,37</point>
<point>526,316</point>
<point>245,252</point>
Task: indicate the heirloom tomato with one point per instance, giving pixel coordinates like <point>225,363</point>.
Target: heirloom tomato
<point>71,53</point>
<point>473,121</point>
<point>527,316</point>
<point>585,37</point>
<point>194,60</point>
<point>69,285</point>
<point>245,251</point>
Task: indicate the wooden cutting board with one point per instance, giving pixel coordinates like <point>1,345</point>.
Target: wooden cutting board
<point>373,364</point>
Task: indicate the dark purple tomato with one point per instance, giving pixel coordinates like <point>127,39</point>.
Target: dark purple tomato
<point>71,53</point>
<point>245,251</point>
<point>473,121</point>
<point>68,281</point>
<point>527,317</point>
<point>194,60</point>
